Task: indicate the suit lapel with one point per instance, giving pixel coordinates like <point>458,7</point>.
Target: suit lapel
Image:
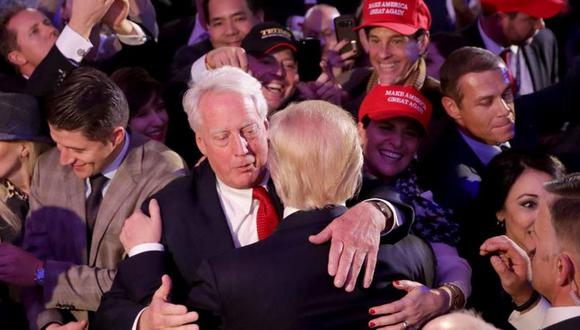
<point>533,67</point>
<point>213,217</point>
<point>122,184</point>
<point>75,196</point>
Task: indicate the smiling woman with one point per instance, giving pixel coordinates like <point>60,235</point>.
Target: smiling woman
<point>510,194</point>
<point>147,112</point>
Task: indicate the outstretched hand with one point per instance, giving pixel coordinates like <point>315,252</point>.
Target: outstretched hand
<point>418,306</point>
<point>161,314</point>
<point>512,265</point>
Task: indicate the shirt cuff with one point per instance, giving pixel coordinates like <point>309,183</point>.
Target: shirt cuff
<point>530,319</point>
<point>136,39</point>
<point>72,45</point>
<point>145,247</point>
<point>134,327</point>
<point>198,70</point>
<point>451,268</point>
<point>396,222</point>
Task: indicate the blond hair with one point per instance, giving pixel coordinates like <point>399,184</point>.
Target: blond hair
<point>315,156</point>
<point>35,149</point>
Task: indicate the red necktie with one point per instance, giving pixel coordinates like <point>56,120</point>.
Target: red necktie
<point>506,55</point>
<point>267,218</point>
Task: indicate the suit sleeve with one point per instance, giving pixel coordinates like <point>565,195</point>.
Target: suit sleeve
<point>404,211</point>
<point>204,298</point>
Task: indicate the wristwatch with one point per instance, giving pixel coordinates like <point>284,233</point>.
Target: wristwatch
<point>39,275</point>
<point>386,211</point>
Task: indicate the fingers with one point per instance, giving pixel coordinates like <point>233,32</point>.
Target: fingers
<point>155,214</point>
<point>231,56</point>
<point>75,325</point>
<point>165,288</point>
<point>177,320</point>
<point>406,285</point>
<point>324,236</point>
<point>344,266</point>
<point>355,268</point>
<point>370,267</point>
<point>334,254</point>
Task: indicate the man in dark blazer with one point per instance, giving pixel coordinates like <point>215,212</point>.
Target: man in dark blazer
<point>281,282</point>
<point>516,28</point>
<point>478,97</point>
<point>215,211</point>
<point>228,22</point>
<point>42,59</point>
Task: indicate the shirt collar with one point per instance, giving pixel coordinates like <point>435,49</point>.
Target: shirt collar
<point>289,210</point>
<point>243,196</point>
<point>483,151</point>
<point>110,170</point>
<point>558,314</point>
<point>491,45</point>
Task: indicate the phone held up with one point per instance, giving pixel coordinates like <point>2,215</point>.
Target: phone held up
<point>344,28</point>
<point>309,57</point>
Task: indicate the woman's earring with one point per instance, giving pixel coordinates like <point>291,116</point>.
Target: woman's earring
<point>500,224</point>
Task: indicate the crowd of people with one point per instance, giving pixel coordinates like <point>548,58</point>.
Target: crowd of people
<point>251,164</point>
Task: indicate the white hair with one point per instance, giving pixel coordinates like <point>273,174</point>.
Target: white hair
<point>224,79</point>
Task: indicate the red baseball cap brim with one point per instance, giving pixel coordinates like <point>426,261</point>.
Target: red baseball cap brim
<point>404,29</point>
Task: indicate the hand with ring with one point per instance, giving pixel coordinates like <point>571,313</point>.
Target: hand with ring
<point>418,306</point>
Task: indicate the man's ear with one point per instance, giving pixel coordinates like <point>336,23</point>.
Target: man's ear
<point>423,43</point>
<point>566,270</point>
<point>118,136</point>
<point>362,133</point>
<point>200,144</point>
<point>16,58</point>
<point>452,108</point>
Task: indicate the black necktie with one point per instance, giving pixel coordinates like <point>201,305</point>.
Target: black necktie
<point>97,182</point>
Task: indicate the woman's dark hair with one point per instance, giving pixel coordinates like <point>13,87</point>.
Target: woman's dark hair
<point>503,171</point>
<point>138,86</point>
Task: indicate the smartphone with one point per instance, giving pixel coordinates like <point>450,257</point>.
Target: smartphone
<point>309,56</point>
<point>344,28</point>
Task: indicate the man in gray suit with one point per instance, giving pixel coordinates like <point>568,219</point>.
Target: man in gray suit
<point>82,191</point>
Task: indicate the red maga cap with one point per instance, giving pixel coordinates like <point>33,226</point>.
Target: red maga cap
<point>402,16</point>
<point>385,102</point>
<point>534,8</point>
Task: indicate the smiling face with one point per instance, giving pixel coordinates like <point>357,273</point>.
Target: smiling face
<point>486,111</point>
<point>392,54</point>
<point>35,36</point>
<point>229,21</point>
<point>151,119</point>
<point>520,209</point>
<point>233,137</point>
<point>278,74</point>
<point>86,157</point>
<point>389,146</point>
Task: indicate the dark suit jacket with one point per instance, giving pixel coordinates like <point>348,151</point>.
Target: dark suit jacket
<point>541,55</point>
<point>183,60</point>
<point>282,282</point>
<point>453,171</point>
<point>569,324</point>
<point>55,67</point>
<point>194,228</point>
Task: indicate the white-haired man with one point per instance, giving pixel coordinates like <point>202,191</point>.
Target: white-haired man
<point>227,203</point>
